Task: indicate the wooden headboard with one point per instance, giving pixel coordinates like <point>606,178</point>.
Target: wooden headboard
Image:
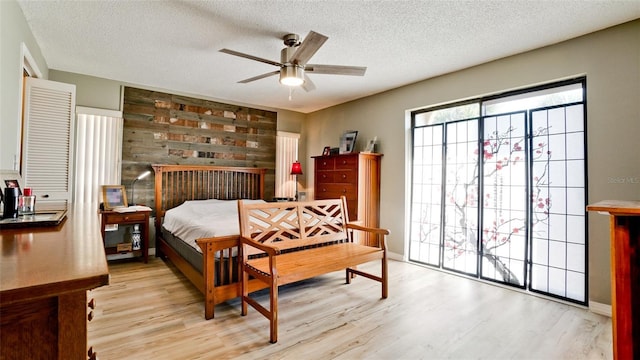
<point>175,184</point>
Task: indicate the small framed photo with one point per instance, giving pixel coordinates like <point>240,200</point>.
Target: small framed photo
<point>326,151</point>
<point>11,179</point>
<point>13,183</point>
<point>348,142</point>
<point>114,196</point>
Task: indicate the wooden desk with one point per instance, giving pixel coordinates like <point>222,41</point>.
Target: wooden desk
<point>45,273</point>
<point>625,275</point>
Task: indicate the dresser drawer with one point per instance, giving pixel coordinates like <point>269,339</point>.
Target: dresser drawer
<point>324,177</point>
<point>124,217</point>
<point>346,162</point>
<point>325,164</point>
<point>345,176</point>
<point>334,191</point>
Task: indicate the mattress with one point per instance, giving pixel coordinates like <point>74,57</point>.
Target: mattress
<point>198,219</point>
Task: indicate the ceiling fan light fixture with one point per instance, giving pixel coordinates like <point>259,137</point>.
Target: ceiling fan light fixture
<point>292,75</point>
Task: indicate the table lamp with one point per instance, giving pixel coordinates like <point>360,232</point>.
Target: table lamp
<point>141,176</point>
<point>296,169</point>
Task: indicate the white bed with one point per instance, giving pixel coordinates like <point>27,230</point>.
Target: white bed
<point>199,219</point>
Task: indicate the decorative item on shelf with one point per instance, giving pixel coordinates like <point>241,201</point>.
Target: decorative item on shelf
<point>296,169</point>
<point>326,151</point>
<point>114,196</point>
<point>123,247</point>
<point>136,237</point>
<point>348,141</point>
<point>140,177</point>
<point>371,147</point>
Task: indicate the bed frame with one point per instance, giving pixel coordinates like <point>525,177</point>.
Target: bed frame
<point>175,184</point>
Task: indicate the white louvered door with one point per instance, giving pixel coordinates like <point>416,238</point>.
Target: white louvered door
<point>49,115</point>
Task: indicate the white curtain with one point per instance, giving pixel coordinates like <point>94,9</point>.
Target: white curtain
<point>98,153</point>
<point>286,154</point>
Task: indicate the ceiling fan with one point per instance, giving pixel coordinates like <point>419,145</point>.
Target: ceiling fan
<point>293,62</point>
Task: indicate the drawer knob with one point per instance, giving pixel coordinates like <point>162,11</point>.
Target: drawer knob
<point>92,303</point>
<point>344,162</point>
<point>344,176</point>
<point>324,163</point>
<point>324,176</point>
<point>324,190</point>
<point>344,191</point>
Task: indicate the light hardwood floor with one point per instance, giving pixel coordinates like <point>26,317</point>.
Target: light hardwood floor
<point>150,311</point>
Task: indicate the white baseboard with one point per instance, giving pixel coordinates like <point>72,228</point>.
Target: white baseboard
<point>600,308</point>
<point>152,251</point>
<point>395,256</point>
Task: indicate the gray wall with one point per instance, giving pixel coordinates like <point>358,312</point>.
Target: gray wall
<point>610,59</point>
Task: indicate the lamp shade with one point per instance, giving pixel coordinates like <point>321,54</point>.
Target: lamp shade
<point>143,175</point>
<point>296,168</point>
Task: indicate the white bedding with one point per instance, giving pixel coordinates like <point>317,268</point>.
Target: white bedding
<point>204,218</point>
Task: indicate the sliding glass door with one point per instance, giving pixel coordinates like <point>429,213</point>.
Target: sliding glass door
<point>502,196</point>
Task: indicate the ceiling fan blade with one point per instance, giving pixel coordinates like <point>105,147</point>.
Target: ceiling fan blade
<point>308,85</point>
<point>308,48</point>
<point>336,69</point>
<point>250,57</point>
<point>259,77</point>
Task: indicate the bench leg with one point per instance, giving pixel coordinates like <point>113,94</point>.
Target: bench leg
<point>244,286</point>
<point>385,275</point>
<point>273,320</point>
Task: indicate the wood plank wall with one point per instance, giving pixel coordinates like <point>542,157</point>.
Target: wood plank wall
<point>162,128</point>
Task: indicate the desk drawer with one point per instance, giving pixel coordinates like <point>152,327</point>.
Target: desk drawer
<point>124,217</point>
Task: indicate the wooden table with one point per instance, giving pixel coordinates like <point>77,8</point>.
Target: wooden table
<point>625,274</point>
<point>45,273</point>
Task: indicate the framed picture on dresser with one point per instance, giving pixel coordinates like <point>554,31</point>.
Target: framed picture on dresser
<point>348,142</point>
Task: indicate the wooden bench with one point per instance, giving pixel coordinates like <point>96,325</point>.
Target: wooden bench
<point>302,240</point>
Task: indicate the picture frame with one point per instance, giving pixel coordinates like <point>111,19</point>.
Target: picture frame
<point>372,146</point>
<point>114,196</point>
<point>10,178</point>
<point>326,151</point>
<point>348,142</point>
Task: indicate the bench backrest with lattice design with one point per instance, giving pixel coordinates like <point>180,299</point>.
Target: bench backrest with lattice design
<point>295,224</point>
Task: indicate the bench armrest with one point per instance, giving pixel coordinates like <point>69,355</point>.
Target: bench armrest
<point>380,234</point>
<point>355,226</point>
<point>270,250</point>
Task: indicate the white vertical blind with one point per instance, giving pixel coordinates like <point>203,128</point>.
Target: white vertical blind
<point>286,154</point>
<point>98,153</point>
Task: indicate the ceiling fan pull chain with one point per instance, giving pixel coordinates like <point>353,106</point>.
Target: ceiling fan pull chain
<point>290,91</point>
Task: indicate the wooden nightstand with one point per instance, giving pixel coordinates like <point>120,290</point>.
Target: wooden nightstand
<point>140,217</point>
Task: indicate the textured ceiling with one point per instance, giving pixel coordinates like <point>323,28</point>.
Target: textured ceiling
<point>174,45</point>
